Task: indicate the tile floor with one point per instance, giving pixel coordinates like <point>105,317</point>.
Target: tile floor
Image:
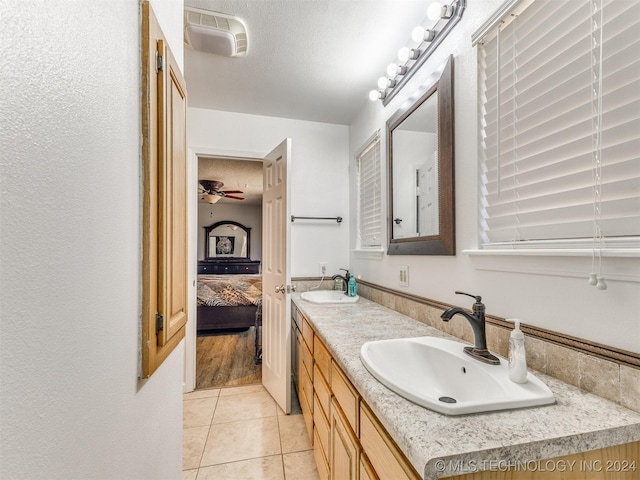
<point>240,433</point>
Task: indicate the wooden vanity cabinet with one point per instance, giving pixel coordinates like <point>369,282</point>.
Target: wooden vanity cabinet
<point>350,443</point>
<point>304,381</point>
<point>333,412</point>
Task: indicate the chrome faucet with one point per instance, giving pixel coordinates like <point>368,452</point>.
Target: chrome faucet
<point>476,319</point>
<point>344,278</point>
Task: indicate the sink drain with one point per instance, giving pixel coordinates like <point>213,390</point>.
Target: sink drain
<point>447,400</point>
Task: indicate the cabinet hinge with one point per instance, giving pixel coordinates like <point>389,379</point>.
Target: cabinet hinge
<point>159,62</point>
<point>159,322</point>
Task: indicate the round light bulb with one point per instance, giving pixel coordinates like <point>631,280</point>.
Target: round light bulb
<point>374,95</point>
<point>383,82</point>
<point>417,35</point>
<point>392,69</point>
<point>434,12</point>
<point>403,54</point>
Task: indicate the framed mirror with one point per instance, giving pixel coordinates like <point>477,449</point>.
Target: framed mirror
<point>226,239</point>
<point>420,160</point>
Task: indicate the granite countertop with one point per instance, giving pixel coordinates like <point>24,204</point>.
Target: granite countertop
<point>439,445</point>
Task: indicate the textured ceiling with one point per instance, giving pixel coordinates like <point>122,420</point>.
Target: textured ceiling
<point>307,59</point>
<point>243,175</point>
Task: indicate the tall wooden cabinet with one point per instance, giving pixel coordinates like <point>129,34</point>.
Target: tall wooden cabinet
<point>164,209</point>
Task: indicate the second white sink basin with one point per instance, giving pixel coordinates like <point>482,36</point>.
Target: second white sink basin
<point>328,296</point>
<point>436,373</point>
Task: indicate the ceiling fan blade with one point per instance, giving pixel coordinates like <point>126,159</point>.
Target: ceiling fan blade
<point>232,191</point>
<point>235,198</point>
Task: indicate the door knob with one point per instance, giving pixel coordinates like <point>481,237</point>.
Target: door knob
<point>280,289</point>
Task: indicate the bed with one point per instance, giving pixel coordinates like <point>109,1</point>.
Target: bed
<point>228,301</point>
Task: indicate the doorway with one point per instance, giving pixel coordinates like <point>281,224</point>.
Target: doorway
<point>230,192</point>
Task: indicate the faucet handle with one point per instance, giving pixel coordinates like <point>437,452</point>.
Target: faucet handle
<point>346,274</point>
<point>478,298</point>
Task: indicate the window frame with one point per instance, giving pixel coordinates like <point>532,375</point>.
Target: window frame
<point>372,143</point>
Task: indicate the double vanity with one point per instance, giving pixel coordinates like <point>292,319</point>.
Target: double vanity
<point>371,413</point>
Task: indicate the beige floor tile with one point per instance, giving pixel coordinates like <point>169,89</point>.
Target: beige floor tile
<point>242,390</point>
<point>300,466</point>
<point>189,474</point>
<point>205,392</point>
<point>193,442</point>
<point>250,405</point>
<point>242,440</point>
<point>293,434</point>
<point>198,412</point>
<point>265,468</point>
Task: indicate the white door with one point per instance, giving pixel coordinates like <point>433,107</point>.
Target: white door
<point>276,276</point>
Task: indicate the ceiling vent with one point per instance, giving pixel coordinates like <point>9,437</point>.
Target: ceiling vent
<point>214,32</point>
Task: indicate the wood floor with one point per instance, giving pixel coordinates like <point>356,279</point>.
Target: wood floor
<point>227,359</point>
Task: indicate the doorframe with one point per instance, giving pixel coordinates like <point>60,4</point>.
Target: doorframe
<point>189,377</point>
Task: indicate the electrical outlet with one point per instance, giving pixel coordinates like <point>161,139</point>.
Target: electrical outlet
<point>404,276</point>
<point>323,268</point>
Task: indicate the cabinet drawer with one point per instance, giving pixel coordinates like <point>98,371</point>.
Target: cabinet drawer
<point>307,359</point>
<point>323,358</point>
<point>321,460</point>
<point>307,333</point>
<point>346,395</point>
<point>321,425</point>
<point>385,457</point>
<point>321,389</point>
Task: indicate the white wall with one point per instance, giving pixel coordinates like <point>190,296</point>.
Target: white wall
<point>248,215</point>
<point>319,176</point>
<point>548,299</point>
<point>70,256</point>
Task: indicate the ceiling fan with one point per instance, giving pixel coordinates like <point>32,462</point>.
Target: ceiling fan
<point>210,191</point>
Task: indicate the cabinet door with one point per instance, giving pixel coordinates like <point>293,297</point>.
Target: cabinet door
<point>164,209</point>
<point>172,99</point>
<point>344,461</point>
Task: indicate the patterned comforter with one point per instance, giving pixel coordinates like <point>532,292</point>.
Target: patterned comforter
<point>229,290</point>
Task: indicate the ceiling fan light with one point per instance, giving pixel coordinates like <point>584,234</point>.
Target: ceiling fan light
<point>211,198</point>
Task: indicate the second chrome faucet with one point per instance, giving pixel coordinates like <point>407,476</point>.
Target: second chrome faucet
<point>344,278</point>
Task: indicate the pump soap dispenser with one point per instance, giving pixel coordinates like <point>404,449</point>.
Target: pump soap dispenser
<point>517,355</point>
<point>352,287</point>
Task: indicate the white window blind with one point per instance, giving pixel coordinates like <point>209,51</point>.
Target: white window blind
<point>369,195</point>
<point>538,119</point>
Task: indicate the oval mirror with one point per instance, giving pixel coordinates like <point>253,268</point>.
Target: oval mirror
<point>420,169</point>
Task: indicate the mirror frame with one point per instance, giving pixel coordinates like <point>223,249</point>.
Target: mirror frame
<point>444,243</point>
<point>207,231</point>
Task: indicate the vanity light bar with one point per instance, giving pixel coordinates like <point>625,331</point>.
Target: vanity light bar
<point>444,16</point>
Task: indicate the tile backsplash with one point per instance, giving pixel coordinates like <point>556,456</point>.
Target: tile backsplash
<point>614,381</point>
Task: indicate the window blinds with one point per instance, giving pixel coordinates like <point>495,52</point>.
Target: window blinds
<point>369,191</point>
<point>537,117</point>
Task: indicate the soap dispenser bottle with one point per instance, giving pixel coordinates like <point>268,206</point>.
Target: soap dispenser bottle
<point>352,286</point>
<point>517,355</point>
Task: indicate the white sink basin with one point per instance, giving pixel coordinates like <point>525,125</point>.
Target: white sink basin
<point>437,374</point>
<point>328,296</point>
